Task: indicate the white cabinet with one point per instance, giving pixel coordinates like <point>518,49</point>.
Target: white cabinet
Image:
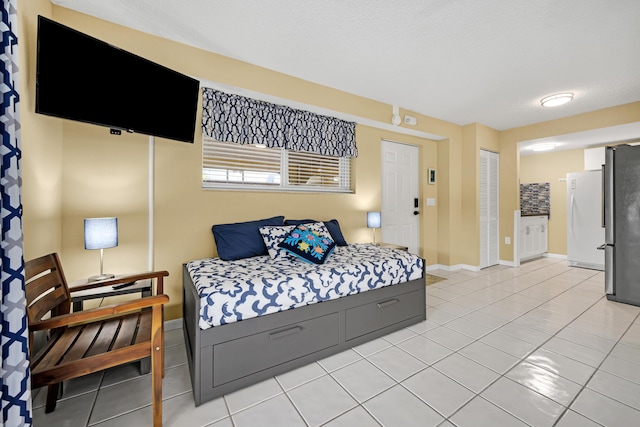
<point>533,238</point>
<point>593,158</point>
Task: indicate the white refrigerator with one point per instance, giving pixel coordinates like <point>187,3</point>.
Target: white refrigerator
<point>585,232</point>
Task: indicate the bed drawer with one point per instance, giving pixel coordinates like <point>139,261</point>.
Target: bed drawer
<point>370,317</point>
<point>253,353</point>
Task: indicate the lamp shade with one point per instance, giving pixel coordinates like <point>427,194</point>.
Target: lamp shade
<point>373,219</point>
<point>100,233</point>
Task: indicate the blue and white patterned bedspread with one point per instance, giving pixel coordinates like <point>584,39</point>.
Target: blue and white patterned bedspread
<point>236,290</point>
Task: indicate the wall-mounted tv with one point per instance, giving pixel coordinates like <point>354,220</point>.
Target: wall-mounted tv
<point>81,78</point>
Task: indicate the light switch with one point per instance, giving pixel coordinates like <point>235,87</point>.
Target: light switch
<point>431,201</point>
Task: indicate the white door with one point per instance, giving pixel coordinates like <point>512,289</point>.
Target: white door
<point>401,205</point>
<point>489,209</point>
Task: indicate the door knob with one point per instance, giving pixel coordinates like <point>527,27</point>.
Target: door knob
<point>416,212</point>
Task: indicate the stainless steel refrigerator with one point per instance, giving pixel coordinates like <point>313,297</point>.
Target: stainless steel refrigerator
<point>621,176</point>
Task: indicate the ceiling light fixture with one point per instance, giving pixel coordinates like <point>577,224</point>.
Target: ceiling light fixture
<point>557,99</point>
<point>544,146</point>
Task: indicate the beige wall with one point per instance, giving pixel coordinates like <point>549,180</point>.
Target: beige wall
<point>475,137</point>
<point>510,158</point>
<point>42,147</point>
<point>96,174</point>
<point>73,170</point>
<point>551,168</point>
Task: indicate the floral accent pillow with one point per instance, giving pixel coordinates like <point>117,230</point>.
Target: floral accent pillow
<point>308,244</point>
<point>272,236</point>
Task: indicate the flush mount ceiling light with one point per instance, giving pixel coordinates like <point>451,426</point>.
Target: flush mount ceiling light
<point>544,146</point>
<point>557,99</point>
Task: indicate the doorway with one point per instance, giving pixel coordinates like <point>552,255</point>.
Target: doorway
<point>401,205</point>
<point>489,209</point>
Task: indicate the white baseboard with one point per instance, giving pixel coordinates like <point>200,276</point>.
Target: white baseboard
<point>507,263</point>
<point>559,256</point>
<point>456,267</point>
<point>170,325</point>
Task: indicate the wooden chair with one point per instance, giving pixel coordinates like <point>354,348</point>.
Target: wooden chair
<point>91,340</point>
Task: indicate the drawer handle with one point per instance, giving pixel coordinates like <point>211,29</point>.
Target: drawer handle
<point>388,303</point>
<point>285,333</point>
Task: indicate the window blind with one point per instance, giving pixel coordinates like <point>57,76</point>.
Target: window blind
<point>255,166</point>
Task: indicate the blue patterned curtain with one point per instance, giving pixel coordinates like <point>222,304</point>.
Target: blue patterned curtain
<point>235,118</point>
<point>14,381</point>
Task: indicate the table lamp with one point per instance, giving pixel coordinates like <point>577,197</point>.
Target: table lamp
<point>100,233</point>
<point>373,221</point>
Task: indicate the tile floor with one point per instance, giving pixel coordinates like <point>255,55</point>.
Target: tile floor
<point>537,345</point>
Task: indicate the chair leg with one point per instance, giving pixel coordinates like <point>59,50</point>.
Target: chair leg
<point>52,397</point>
<point>157,366</point>
<point>145,366</point>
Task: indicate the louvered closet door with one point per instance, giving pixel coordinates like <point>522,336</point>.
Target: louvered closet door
<point>489,209</point>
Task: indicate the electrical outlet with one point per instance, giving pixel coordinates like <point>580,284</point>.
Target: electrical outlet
<point>507,240</point>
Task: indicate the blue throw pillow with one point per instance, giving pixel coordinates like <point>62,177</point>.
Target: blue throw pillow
<point>308,245</point>
<point>242,239</point>
<point>333,226</point>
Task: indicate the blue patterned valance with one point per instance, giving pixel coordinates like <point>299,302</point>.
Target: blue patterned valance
<point>234,118</point>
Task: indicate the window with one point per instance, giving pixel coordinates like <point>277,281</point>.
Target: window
<point>256,167</point>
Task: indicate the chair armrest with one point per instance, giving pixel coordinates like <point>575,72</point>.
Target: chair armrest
<point>98,313</point>
<point>124,279</point>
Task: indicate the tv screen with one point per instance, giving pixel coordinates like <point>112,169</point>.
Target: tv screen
<point>81,78</point>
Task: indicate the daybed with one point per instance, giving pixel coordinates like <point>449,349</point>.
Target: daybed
<point>249,319</point>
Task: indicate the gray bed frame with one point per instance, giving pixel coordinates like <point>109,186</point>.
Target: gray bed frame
<point>226,358</point>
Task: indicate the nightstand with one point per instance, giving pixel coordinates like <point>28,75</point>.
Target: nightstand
<point>78,297</point>
<point>392,246</point>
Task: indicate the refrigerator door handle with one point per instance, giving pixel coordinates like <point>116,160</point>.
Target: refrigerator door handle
<point>608,197</point>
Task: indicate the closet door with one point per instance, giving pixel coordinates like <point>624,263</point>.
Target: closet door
<point>489,209</point>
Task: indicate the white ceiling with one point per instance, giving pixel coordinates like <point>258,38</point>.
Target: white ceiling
<point>463,61</point>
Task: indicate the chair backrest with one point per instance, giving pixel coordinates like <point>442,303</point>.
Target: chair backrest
<point>46,288</point>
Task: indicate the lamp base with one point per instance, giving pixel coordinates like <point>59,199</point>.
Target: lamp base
<point>104,276</point>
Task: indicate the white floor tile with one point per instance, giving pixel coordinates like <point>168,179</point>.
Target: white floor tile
<point>136,393</point>
<point>586,339</point>
<point>278,411</point>
<point>448,338</point>
<point>467,372</point>
<point>335,400</point>
<point>575,351</point>
<point>616,388</point>
<point>480,412</point>
<point>604,410</point>
<point>340,360</point>
<point>441,392</point>
<point>481,325</point>
<point>396,363</point>
<point>398,407</point>
<point>490,357</point>
<point>252,395</point>
<point>573,419</point>
<point>424,349</point>
<point>561,365</point>
<point>70,412</point>
<point>469,328</point>
<point>622,368</point>
<point>301,375</point>
<point>399,336</point>
<point>544,382</point>
<point>355,417</point>
<point>511,345</point>
<point>363,380</point>
<point>524,403</point>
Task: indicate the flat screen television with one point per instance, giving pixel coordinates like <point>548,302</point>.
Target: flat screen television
<point>79,77</point>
